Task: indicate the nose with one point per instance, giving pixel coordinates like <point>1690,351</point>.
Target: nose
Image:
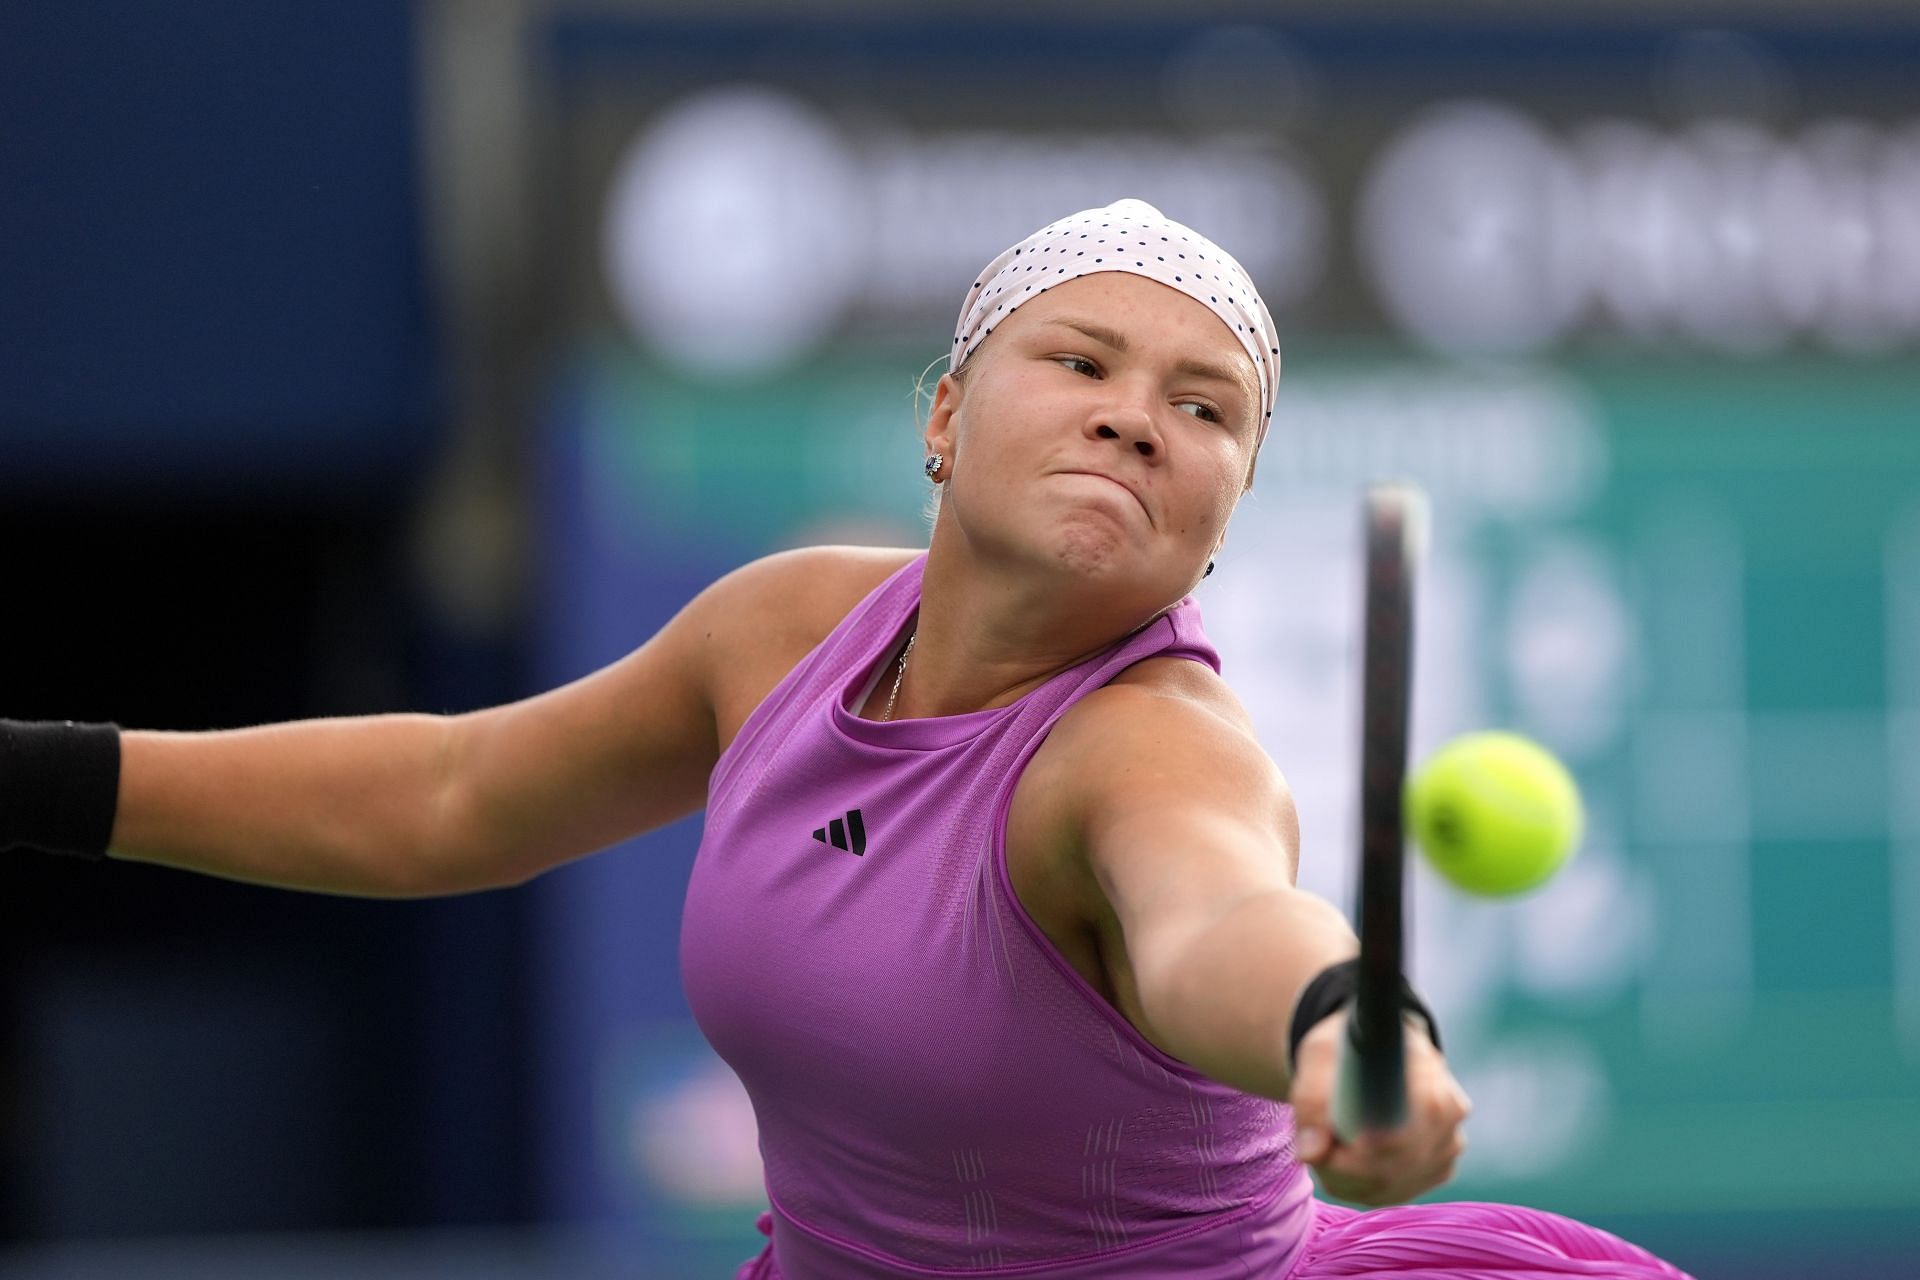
<point>1130,424</point>
<point>1142,442</point>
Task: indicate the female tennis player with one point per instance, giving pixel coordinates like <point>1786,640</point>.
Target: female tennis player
<point>994,914</point>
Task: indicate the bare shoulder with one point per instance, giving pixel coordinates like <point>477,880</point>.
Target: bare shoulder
<point>805,584</point>
<point>1176,680</point>
<point>631,746</point>
<point>1150,805</point>
<point>761,619</point>
<point>1165,747</point>
<point>1166,725</point>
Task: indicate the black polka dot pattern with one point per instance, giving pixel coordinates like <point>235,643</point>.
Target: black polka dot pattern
<point>1217,283</point>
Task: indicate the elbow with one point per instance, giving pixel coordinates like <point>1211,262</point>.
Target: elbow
<point>459,848</point>
<point>450,842</point>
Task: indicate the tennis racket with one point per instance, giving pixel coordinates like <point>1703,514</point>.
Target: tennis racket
<point>1372,1089</point>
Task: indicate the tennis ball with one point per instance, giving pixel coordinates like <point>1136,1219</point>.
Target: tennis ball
<point>1494,812</point>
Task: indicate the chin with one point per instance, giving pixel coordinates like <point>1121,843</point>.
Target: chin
<point>1093,551</point>
<point>1100,557</point>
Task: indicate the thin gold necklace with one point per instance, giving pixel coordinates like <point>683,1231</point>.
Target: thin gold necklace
<point>900,675</point>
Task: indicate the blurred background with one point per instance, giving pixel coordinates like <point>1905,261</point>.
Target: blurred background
<point>368,357</point>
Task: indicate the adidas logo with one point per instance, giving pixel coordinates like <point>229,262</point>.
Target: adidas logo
<point>837,833</point>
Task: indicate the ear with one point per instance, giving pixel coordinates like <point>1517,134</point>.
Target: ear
<point>942,430</point>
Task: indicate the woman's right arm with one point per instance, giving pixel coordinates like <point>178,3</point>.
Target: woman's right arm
<point>416,805</point>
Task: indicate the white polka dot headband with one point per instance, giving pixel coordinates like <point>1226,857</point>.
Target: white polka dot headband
<point>1131,236</point>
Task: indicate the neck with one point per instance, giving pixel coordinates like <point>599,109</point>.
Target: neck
<point>987,634</point>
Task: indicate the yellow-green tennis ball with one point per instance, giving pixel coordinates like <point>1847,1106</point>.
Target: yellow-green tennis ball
<point>1494,812</point>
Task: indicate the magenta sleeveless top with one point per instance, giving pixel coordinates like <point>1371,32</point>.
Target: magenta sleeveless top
<point>937,1090</point>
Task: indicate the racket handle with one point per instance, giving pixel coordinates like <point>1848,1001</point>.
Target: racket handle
<point>1345,1112</point>
<point>1368,1095</point>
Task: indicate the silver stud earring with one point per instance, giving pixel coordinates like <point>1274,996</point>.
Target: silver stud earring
<point>934,463</point>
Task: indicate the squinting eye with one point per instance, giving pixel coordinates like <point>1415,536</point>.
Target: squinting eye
<point>1086,365</point>
<point>1207,411</point>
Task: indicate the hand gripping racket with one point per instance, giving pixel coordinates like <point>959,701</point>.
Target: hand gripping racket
<point>1372,1091</point>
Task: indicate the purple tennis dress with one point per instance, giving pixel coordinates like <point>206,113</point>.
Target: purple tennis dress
<point>938,1091</point>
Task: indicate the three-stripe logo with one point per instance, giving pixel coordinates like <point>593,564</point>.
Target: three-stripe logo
<point>849,833</point>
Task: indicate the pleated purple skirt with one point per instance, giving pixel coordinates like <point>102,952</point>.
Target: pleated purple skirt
<point>1466,1241</point>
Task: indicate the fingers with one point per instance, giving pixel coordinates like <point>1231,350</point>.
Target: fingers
<point>1389,1168</point>
<point>1380,1167</point>
<point>1315,1069</point>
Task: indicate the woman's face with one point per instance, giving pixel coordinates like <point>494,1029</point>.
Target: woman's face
<point>1106,428</point>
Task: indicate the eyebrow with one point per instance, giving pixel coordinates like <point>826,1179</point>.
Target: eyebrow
<point>1118,341</point>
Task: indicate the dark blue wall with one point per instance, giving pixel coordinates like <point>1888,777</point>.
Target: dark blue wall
<point>210,244</point>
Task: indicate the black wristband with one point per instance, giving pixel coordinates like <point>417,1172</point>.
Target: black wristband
<point>59,785</point>
<point>1331,990</point>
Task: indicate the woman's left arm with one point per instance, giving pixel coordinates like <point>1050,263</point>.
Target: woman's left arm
<point>1188,829</point>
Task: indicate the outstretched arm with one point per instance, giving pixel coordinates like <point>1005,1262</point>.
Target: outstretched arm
<point>1189,832</point>
<point>412,805</point>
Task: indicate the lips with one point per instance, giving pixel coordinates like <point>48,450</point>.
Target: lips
<point>1101,475</point>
